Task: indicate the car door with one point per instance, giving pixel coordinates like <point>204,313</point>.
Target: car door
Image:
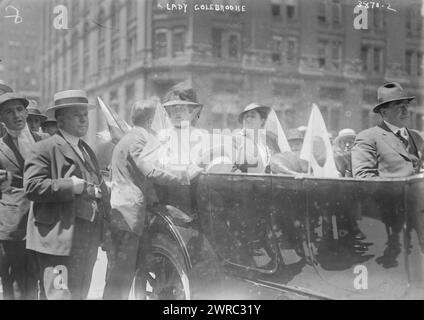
<point>240,218</point>
<point>357,237</point>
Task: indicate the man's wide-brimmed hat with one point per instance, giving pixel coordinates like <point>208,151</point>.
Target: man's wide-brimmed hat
<point>34,111</point>
<point>70,98</point>
<point>10,96</point>
<point>4,88</point>
<point>390,92</point>
<point>254,106</point>
<point>181,94</point>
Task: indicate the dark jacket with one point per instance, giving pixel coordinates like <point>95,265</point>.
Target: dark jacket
<point>52,217</point>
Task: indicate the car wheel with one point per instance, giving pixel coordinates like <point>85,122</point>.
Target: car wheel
<point>164,275</point>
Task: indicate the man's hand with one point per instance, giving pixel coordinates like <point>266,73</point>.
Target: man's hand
<point>79,185</point>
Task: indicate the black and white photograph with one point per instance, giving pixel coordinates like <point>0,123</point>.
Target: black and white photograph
<point>222,150</point>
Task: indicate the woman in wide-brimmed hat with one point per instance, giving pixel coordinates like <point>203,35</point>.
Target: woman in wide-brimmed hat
<point>261,137</point>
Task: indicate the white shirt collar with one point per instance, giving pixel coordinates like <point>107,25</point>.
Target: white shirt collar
<point>395,129</point>
<point>70,138</point>
<point>24,133</point>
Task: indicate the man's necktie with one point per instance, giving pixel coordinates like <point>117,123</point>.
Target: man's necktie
<point>86,156</point>
<point>404,141</point>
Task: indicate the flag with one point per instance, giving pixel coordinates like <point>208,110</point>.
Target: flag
<point>117,126</point>
<point>317,149</point>
<point>273,125</point>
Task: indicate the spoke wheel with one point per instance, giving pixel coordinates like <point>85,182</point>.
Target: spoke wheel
<point>164,275</point>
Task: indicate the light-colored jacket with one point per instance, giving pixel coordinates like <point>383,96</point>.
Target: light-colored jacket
<point>378,152</point>
<point>132,181</point>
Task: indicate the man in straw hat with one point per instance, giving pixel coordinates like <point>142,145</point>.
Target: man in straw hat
<point>389,150</point>
<point>131,194</point>
<point>35,117</point>
<point>14,207</point>
<point>70,198</point>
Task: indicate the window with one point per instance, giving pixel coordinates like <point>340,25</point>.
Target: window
<point>291,9</point>
<point>234,46</point>
<point>276,49</point>
<point>378,60</point>
<point>217,42</point>
<point>408,62</point>
<point>131,11</point>
<point>101,54</point>
<point>413,63</point>
<point>378,19</point>
<point>113,101</point>
<point>131,44</point>
<point>161,44</point>
<point>292,50</point>
<point>74,56</point>
<point>276,8</point>
<point>364,57</point>
<point>337,12</point>
<point>178,42</point>
<point>322,53</point>
<point>115,45</point>
<point>75,10</point>
<point>86,52</point>
<point>322,11</point>
<point>336,54</point>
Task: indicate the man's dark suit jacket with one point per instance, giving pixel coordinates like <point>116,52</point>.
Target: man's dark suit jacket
<point>378,152</point>
<point>14,205</point>
<point>48,184</point>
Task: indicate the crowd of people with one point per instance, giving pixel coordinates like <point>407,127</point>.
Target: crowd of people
<point>57,209</point>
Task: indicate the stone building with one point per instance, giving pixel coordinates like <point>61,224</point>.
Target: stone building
<point>284,53</point>
<point>20,45</point>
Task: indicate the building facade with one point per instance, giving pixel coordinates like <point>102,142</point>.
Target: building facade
<point>284,53</point>
<point>20,36</point>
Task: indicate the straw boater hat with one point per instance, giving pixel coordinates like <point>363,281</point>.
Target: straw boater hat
<point>69,98</point>
<point>179,94</point>
<point>390,92</point>
<point>254,106</point>
<point>34,111</point>
<point>4,88</point>
<point>10,96</point>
